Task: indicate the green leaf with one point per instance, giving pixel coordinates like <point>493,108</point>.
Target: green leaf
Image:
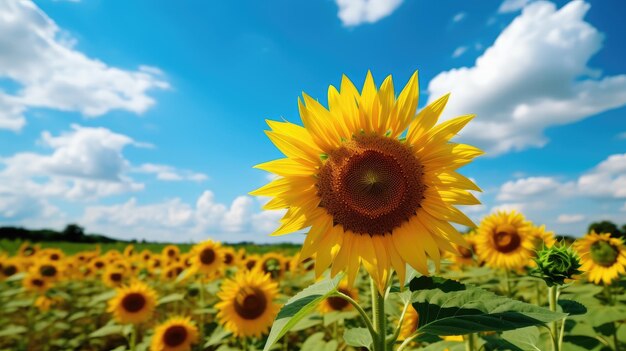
<point>217,336</point>
<point>448,307</point>
<point>529,339</point>
<point>583,341</point>
<point>102,297</point>
<point>572,308</point>
<point>314,342</point>
<point>332,317</point>
<point>107,330</point>
<point>171,298</point>
<point>299,306</point>
<point>13,330</point>
<point>358,337</point>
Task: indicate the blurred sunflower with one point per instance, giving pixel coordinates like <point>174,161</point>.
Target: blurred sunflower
<point>98,264</point>
<point>464,256</point>
<point>207,257</point>
<point>145,256</point>
<point>603,257</point>
<point>27,249</point>
<point>113,277</point>
<point>51,254</point>
<point>247,306</point>
<point>505,240</point>
<point>251,262</point>
<point>35,282</point>
<point>409,324</point>
<point>170,252</point>
<point>542,237</point>
<point>134,303</point>
<point>48,270</point>
<point>129,251</point>
<point>272,264</point>
<point>337,304</point>
<point>375,184</point>
<point>10,267</point>
<point>175,334</point>
<point>230,256</point>
<point>43,303</point>
<point>172,271</point>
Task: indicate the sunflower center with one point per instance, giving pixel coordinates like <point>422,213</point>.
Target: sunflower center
<point>272,266</point>
<point>371,184</point>
<point>9,270</point>
<point>55,257</point>
<point>465,253</point>
<point>207,256</point>
<point>337,303</point>
<point>603,253</point>
<point>48,270</point>
<point>175,335</point>
<point>250,303</point>
<point>506,238</point>
<point>116,277</point>
<point>133,302</point>
<point>99,264</point>
<point>29,251</point>
<point>250,264</point>
<point>228,258</point>
<point>38,282</point>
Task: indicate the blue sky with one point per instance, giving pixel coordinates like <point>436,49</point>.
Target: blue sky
<point>143,120</point>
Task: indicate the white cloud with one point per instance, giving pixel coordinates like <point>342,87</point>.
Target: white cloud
<point>169,173</point>
<point>356,12</point>
<point>608,179</point>
<point>570,218</point>
<point>517,206</point>
<point>36,54</point>
<point>534,76</point>
<point>175,220</point>
<point>527,187</point>
<point>459,17</point>
<point>512,5</point>
<point>459,51</point>
<point>621,135</point>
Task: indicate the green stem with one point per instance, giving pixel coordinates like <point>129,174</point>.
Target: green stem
<point>470,343</point>
<point>380,320</point>
<point>407,341</point>
<point>392,339</point>
<point>362,313</point>
<point>552,300</point>
<point>201,312</point>
<point>507,278</point>
<point>133,338</point>
<point>615,339</point>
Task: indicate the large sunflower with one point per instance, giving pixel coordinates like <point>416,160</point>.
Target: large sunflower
<point>603,258</point>
<point>176,334</point>
<point>375,183</point>
<point>247,306</point>
<point>505,240</point>
<point>134,303</point>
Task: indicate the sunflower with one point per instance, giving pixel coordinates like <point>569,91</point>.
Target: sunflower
<point>98,264</point>
<point>542,237</point>
<point>48,270</point>
<point>247,306</point>
<point>465,256</point>
<point>272,264</point>
<point>176,334</point>
<point>129,250</point>
<point>332,304</point>
<point>35,282</point>
<point>375,183</point>
<point>170,252</point>
<point>230,256</point>
<point>134,303</point>
<point>250,262</point>
<point>172,271</point>
<point>27,249</point>
<point>505,240</point>
<point>113,277</point>
<point>409,324</point>
<point>207,257</point>
<point>145,256</point>
<point>51,254</point>
<point>43,303</point>
<point>10,267</point>
<point>603,258</point>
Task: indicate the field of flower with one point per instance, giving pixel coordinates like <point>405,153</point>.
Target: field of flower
<point>215,297</point>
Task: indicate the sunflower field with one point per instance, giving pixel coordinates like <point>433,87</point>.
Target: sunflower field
<point>375,185</point>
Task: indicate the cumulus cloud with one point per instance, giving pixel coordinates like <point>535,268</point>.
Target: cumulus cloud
<point>527,187</point>
<point>169,173</point>
<point>459,51</point>
<point>355,12</point>
<point>534,76</point>
<point>176,220</point>
<point>38,56</point>
<point>570,218</point>
<point>512,5</point>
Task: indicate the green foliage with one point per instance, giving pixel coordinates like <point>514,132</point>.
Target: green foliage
<point>607,227</point>
<point>446,307</point>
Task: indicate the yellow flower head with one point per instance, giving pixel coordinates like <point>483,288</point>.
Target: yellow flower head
<point>207,257</point>
<point>176,334</point>
<point>375,183</point>
<point>170,252</point>
<point>603,257</point>
<point>247,306</point>
<point>337,304</point>
<point>505,240</point>
<point>273,264</point>
<point>114,277</point>
<point>35,282</point>
<point>133,304</point>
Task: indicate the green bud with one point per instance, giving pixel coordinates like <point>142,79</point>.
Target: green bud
<point>555,264</point>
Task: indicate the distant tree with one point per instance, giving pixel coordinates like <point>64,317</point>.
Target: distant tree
<point>73,233</point>
<point>623,230</point>
<point>605,227</point>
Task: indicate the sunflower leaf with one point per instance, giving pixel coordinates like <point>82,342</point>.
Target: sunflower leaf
<point>299,306</point>
<point>358,337</point>
<point>447,307</point>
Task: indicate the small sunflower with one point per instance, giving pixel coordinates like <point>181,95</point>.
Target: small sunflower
<point>145,256</point>
<point>48,270</point>
<point>207,257</point>
<point>230,257</point>
<point>98,265</point>
<point>27,249</point>
<point>113,277</point>
<point>272,264</point>
<point>505,240</point>
<point>35,282</point>
<point>172,271</point>
<point>129,251</point>
<point>134,303</point>
<point>464,256</point>
<point>176,334</point>
<point>51,254</point>
<point>376,183</point>
<point>337,304</point>
<point>542,237</point>
<point>603,257</point>
<point>10,267</point>
<point>247,306</point>
<point>251,262</point>
<point>409,324</point>
<point>170,252</point>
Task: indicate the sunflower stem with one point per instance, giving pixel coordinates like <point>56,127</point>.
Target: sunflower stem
<point>407,341</point>
<point>470,343</point>
<point>380,320</point>
<point>552,300</point>
<point>392,338</point>
<point>364,316</point>
<point>202,312</point>
<point>507,278</point>
<point>133,338</point>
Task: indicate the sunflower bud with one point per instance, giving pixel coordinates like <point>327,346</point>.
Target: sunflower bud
<point>555,264</point>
